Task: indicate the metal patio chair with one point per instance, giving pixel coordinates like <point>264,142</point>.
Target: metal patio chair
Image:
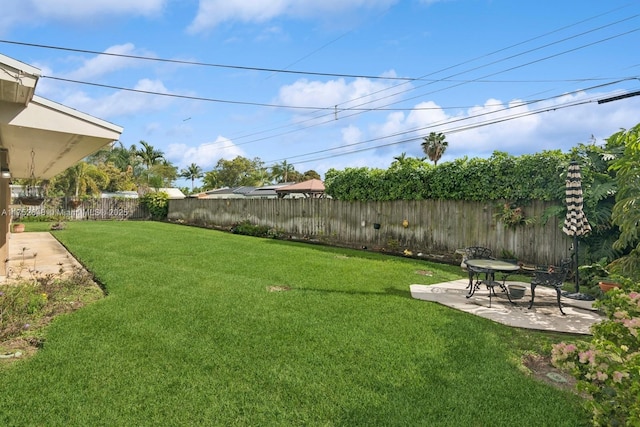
<point>550,276</point>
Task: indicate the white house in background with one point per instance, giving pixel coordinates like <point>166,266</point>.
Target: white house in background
<point>120,195</point>
<point>174,193</point>
<point>226,193</point>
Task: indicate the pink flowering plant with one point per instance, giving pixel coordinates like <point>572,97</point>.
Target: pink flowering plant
<point>608,368</point>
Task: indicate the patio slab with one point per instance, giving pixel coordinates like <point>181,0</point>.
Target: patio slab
<point>544,315</point>
<point>37,253</point>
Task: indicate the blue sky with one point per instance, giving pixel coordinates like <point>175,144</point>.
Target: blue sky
<point>365,80</point>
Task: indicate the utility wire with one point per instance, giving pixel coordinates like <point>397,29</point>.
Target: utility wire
<point>204,64</point>
<point>444,123</point>
<point>331,115</point>
<point>448,131</point>
<point>334,109</point>
<point>328,110</point>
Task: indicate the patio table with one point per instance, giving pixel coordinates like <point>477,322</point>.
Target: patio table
<point>488,267</point>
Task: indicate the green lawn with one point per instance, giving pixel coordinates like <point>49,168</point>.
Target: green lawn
<point>190,335</point>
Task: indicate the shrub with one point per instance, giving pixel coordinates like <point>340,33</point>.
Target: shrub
<point>157,204</point>
<point>608,368</point>
<point>248,229</point>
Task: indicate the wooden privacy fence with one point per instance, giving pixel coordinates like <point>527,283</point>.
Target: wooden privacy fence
<point>92,209</point>
<point>435,228</point>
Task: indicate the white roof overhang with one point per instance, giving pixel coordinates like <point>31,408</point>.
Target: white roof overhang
<point>41,136</point>
<point>17,80</point>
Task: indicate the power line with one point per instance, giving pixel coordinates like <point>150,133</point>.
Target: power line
<point>333,110</point>
<point>450,131</point>
<point>450,122</point>
<point>204,64</point>
<point>331,116</point>
<point>330,111</point>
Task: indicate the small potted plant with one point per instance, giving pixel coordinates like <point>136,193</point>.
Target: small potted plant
<point>609,282</point>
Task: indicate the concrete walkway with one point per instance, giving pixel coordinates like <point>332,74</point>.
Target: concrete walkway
<point>37,253</point>
<point>544,315</point>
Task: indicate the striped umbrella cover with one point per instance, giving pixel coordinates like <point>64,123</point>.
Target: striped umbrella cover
<point>575,223</point>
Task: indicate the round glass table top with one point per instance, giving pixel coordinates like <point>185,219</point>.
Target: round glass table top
<point>492,264</point>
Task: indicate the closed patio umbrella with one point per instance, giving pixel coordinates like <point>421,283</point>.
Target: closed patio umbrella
<point>575,223</point>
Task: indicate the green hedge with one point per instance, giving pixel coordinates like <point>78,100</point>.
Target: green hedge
<point>501,176</point>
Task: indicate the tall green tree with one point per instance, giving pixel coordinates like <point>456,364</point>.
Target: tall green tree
<point>434,146</point>
<point>210,180</point>
<point>310,174</point>
<point>192,172</point>
<point>234,173</point>
<point>626,211</point>
<point>162,174</point>
<point>81,179</point>
<point>149,155</point>
<point>281,172</point>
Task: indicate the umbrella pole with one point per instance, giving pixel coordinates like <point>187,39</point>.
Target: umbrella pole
<point>575,245</point>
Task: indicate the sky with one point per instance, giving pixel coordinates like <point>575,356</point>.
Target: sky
<point>336,83</point>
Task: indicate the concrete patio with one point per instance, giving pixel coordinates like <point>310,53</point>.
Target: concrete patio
<point>37,253</point>
<point>544,315</point>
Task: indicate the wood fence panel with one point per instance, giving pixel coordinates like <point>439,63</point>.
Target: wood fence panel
<point>433,226</point>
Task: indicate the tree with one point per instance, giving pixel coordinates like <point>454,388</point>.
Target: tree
<point>162,174</point>
<point>80,180</point>
<point>149,155</point>
<point>626,214</point>
<point>210,180</point>
<point>280,171</point>
<point>261,177</point>
<point>434,146</point>
<point>119,180</point>
<point>310,174</point>
<point>192,172</point>
<point>234,173</point>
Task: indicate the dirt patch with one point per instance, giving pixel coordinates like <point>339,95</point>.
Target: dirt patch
<point>542,370</point>
<point>21,335</point>
<point>278,288</point>
<point>18,349</point>
<point>424,272</point>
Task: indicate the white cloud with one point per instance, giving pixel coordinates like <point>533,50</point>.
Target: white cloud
<point>213,12</point>
<point>82,9</point>
<point>33,12</point>
<point>105,64</point>
<point>358,93</point>
<point>512,127</point>
<point>121,103</point>
<point>205,155</point>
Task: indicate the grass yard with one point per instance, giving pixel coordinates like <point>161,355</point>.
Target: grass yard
<point>202,327</point>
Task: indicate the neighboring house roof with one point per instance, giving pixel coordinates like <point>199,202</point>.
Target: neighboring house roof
<point>310,188</point>
<point>224,193</point>
<point>267,191</point>
<point>121,194</point>
<point>174,193</point>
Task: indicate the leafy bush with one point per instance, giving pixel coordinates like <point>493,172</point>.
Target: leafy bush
<point>248,229</point>
<point>502,176</point>
<point>157,203</point>
<point>608,368</point>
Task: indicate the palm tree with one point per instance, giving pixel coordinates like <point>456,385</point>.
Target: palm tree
<point>434,146</point>
<point>149,155</point>
<point>193,172</point>
<point>280,171</point>
<point>85,178</point>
